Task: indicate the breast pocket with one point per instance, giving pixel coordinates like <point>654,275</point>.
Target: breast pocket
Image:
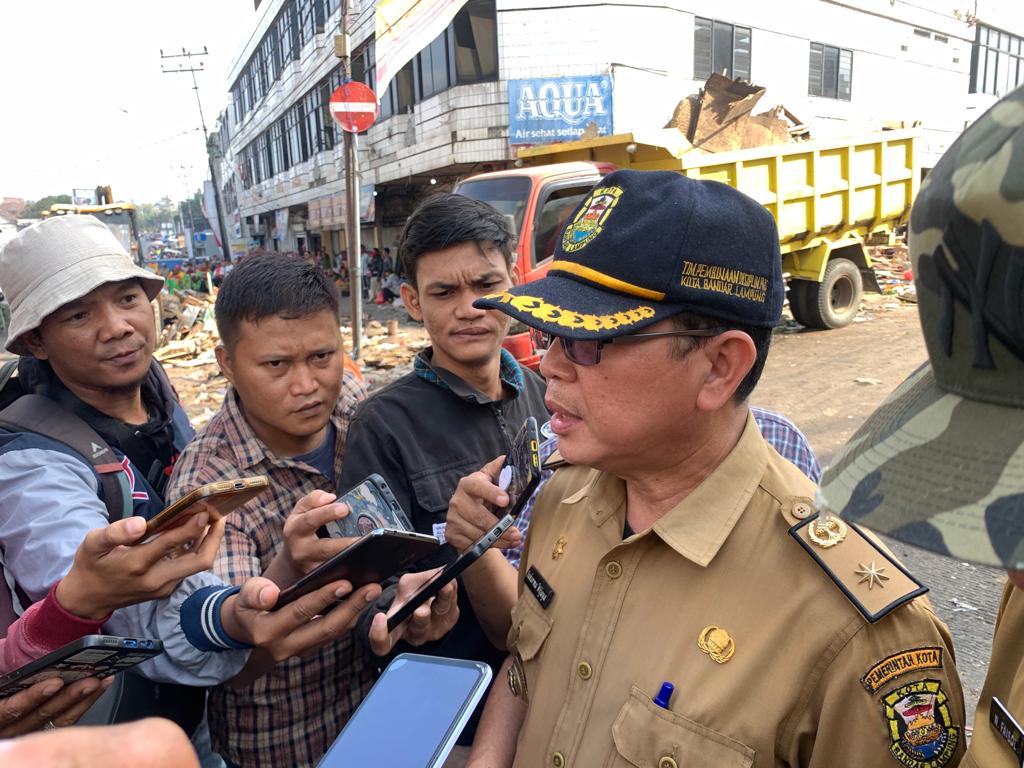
<point>433,489</point>
<point>530,627</point>
<point>648,736</point>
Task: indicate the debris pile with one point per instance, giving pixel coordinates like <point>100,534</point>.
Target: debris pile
<point>189,333</point>
<point>386,347</point>
<point>893,270</point>
<point>719,118</point>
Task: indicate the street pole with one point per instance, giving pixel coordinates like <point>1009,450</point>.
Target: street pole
<point>352,203</point>
<point>218,204</point>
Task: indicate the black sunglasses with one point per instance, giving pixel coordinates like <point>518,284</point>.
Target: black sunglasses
<point>588,351</point>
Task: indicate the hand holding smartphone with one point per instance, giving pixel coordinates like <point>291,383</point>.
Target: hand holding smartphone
<point>519,477</point>
<point>217,499</point>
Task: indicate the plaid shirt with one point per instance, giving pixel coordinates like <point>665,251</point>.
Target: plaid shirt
<point>290,716</point>
<point>779,432</point>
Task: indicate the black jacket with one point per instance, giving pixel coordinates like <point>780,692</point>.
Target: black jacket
<point>422,434</point>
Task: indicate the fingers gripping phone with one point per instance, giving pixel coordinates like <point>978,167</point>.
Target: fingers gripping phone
<point>375,557</point>
<point>89,656</point>
<point>519,478</point>
<point>218,499</point>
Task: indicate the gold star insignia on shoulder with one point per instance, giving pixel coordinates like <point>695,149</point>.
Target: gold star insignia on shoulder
<point>872,574</point>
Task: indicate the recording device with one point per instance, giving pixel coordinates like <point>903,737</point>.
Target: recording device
<point>89,656</point>
<point>435,696</point>
<point>519,477</point>
<point>371,505</point>
<point>218,499</point>
<point>370,560</point>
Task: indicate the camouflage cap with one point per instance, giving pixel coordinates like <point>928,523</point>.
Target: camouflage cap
<point>940,464</point>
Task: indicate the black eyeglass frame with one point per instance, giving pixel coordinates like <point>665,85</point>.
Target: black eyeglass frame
<point>571,347</point>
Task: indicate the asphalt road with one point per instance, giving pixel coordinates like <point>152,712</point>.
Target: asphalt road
<point>828,382</point>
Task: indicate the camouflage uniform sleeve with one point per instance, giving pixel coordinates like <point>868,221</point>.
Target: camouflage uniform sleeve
<point>889,697</point>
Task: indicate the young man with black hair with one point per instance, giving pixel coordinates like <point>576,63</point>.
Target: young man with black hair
<point>466,397</point>
<point>286,415</point>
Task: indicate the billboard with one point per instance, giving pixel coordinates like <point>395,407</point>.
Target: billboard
<point>550,109</point>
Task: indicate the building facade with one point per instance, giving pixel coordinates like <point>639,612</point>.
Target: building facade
<point>841,66</point>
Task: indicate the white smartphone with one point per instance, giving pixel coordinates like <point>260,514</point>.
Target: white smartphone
<point>436,697</point>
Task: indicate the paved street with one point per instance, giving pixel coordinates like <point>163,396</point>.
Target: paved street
<point>812,378</point>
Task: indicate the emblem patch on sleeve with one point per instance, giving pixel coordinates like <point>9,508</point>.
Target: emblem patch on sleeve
<point>891,667</point>
<point>920,728</point>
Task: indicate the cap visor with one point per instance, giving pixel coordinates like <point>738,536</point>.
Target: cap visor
<point>939,471</point>
<point>576,310</point>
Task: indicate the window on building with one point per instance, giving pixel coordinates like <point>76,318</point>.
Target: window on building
<point>830,73</point>
<point>475,42</point>
<point>262,165</point>
<point>279,148</point>
<point>295,130</point>
<point>314,121</point>
<point>433,67</point>
<point>722,48</point>
<point>997,62</point>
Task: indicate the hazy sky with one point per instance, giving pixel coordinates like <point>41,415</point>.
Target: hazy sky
<point>84,102</point>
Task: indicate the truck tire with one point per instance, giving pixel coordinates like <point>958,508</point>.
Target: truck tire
<point>832,303</point>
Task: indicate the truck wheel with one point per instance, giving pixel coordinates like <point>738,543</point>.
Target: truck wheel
<point>832,303</point>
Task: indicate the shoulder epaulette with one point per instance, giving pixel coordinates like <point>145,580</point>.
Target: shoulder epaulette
<point>872,579</point>
<point>554,461</point>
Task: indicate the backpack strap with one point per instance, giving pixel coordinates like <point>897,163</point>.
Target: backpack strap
<point>41,415</point>
<point>7,370</point>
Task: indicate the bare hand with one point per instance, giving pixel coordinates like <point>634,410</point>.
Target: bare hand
<point>299,628</point>
<point>469,511</point>
<point>49,701</point>
<point>431,621</point>
<point>303,550</point>
<point>154,743</point>
<point>109,573</point>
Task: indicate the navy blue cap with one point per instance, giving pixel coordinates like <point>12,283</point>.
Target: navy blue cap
<point>647,245</point>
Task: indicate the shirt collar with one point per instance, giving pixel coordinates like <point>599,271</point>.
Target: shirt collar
<point>509,372</point>
<point>699,525</point>
<point>250,451</point>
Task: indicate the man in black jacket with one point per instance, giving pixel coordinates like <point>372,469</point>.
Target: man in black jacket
<point>466,398</point>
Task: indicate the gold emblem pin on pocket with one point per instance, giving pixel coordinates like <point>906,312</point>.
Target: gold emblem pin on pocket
<point>559,548</point>
<point>716,643</point>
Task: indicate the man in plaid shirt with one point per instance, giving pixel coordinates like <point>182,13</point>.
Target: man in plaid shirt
<point>286,416</point>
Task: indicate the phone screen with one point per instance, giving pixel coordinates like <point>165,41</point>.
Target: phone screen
<point>370,506</point>
<point>435,698</point>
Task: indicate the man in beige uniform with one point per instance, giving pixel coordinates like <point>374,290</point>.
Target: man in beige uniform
<point>679,548</point>
<point>940,464</point>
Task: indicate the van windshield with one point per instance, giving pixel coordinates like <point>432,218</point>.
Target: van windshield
<point>509,195</point>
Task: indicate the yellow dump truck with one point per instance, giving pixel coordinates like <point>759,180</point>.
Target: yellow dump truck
<point>828,197</point>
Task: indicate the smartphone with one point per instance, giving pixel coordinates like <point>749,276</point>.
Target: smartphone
<point>89,656</point>
<point>520,474</point>
<point>519,478</point>
<point>373,558</point>
<point>371,505</point>
<point>436,697</point>
<point>218,499</point>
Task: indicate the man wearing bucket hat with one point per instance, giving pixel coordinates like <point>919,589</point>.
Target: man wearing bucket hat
<point>940,464</point>
<point>677,548</point>
<point>82,321</point>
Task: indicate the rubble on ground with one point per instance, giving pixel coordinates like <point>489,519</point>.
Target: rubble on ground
<point>189,332</point>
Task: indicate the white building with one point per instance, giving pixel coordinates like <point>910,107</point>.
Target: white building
<point>842,66</point>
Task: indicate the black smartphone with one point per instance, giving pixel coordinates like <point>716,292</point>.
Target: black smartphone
<point>519,478</point>
<point>371,505</point>
<point>379,554</point>
<point>89,656</point>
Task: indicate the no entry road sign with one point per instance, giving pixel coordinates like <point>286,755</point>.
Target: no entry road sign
<point>354,106</point>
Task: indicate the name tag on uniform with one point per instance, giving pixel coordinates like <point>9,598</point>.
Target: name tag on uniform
<point>1008,728</point>
<point>539,587</point>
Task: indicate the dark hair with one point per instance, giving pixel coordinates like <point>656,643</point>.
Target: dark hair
<point>448,219</point>
<point>271,284</point>
<point>761,336</point>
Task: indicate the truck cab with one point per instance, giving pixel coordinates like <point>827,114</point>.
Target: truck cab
<point>537,201</point>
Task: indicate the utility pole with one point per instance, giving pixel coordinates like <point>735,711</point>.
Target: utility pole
<point>221,220</point>
<point>342,49</point>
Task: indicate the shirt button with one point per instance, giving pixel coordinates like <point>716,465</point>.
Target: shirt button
<point>667,762</point>
<point>584,670</point>
<point>802,510</point>
<point>613,569</point>
<point>558,760</point>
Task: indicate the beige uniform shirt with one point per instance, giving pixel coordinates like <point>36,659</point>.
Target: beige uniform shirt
<point>765,652</point>
<point>992,746</point>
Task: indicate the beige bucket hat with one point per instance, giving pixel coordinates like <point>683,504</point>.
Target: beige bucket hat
<point>56,261</point>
